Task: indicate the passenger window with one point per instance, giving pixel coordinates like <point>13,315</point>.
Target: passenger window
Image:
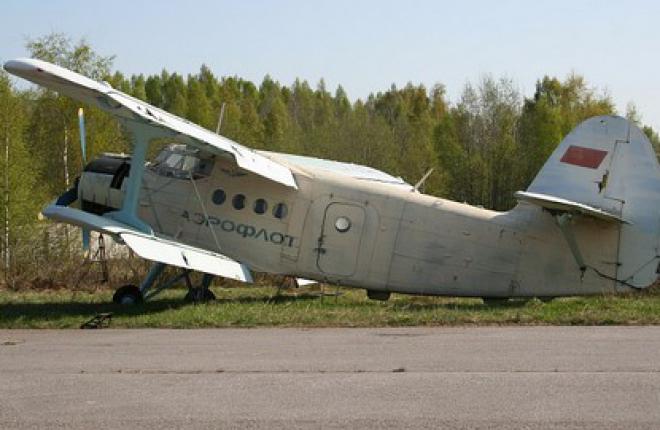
<point>279,210</point>
<point>260,206</point>
<point>238,201</point>
<point>219,197</point>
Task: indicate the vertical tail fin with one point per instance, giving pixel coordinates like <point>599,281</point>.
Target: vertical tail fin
<point>608,163</point>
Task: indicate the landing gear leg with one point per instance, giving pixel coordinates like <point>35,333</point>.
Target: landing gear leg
<point>149,281</point>
<point>130,294</point>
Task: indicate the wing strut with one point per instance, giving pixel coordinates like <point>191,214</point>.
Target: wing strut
<point>128,214</point>
<point>564,223</point>
<point>206,212</point>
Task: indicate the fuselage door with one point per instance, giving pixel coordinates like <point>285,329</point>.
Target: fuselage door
<point>339,243</point>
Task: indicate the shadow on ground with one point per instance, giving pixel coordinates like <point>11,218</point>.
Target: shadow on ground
<point>281,298</point>
<point>56,310</point>
<point>476,306</point>
<point>26,312</point>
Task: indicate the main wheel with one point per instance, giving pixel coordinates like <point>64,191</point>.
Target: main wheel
<point>128,295</point>
<point>199,295</point>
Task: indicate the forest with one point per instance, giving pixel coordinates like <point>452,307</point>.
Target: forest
<point>483,147</point>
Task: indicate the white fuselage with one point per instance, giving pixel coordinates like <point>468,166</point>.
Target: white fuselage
<point>398,240</point>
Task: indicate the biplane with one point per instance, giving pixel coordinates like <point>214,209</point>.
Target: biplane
<point>589,223</point>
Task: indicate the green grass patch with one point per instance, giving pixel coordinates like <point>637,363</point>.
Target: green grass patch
<point>260,307</point>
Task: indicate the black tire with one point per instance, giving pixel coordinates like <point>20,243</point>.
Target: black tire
<point>128,295</point>
<point>196,295</point>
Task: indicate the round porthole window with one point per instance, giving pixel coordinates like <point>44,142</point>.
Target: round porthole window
<point>260,206</point>
<point>279,210</point>
<point>342,224</point>
<point>238,201</point>
<point>219,197</point>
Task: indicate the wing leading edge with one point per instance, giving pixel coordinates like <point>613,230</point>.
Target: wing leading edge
<point>163,123</point>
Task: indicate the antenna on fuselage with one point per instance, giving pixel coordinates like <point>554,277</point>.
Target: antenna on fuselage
<point>222,115</point>
<point>421,181</point>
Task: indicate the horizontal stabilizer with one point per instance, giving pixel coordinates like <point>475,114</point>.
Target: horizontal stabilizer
<point>151,247</point>
<point>563,205</point>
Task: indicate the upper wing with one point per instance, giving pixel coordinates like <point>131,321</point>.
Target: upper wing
<point>126,107</point>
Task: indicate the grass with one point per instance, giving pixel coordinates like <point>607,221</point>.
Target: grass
<point>259,307</point>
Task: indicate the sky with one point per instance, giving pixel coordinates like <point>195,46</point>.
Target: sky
<point>366,46</point>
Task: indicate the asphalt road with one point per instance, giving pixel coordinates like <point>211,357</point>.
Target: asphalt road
<point>491,378</point>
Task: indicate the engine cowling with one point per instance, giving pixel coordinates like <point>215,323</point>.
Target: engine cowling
<point>100,185</point>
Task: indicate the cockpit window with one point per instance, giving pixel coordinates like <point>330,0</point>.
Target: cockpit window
<point>179,161</point>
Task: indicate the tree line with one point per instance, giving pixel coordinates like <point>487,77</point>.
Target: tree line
<point>483,147</point>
